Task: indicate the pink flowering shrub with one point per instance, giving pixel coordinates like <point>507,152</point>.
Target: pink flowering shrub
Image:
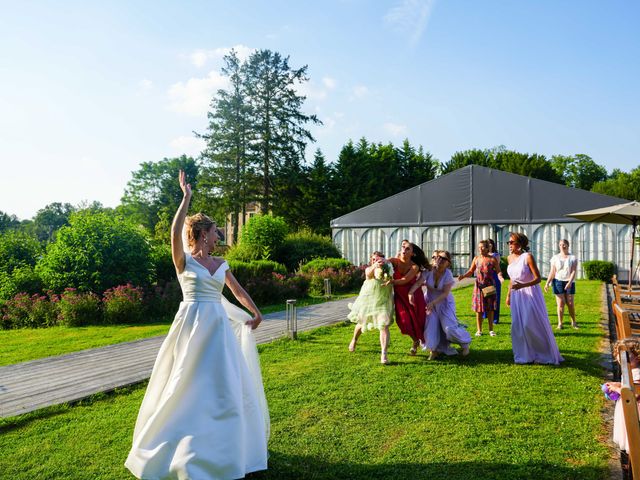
<point>123,304</point>
<point>77,308</point>
<point>29,311</point>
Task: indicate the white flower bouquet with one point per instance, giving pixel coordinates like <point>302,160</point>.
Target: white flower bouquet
<point>384,272</point>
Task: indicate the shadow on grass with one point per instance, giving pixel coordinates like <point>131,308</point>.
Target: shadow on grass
<point>283,466</point>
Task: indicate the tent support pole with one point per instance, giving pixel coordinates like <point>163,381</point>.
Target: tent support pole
<point>633,247</point>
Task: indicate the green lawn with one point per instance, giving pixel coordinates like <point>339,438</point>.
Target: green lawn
<point>29,344</point>
<point>337,414</point>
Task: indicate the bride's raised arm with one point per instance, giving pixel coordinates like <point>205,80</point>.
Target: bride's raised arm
<point>177,249</point>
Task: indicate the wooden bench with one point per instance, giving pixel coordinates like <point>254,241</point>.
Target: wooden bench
<point>627,320</point>
<point>630,412</point>
<point>624,296</point>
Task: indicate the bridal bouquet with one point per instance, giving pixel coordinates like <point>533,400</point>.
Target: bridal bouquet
<point>384,272</point>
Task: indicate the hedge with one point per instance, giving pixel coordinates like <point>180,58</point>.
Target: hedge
<point>323,263</point>
<point>598,270</point>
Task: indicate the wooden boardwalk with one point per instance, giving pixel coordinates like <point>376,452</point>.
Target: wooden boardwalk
<point>28,386</point>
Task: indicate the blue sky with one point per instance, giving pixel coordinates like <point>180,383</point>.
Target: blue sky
<point>89,90</point>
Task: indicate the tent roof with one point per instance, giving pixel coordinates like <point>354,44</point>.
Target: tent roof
<point>475,195</point>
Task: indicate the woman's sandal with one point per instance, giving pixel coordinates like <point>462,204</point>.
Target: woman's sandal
<point>383,358</point>
<point>413,351</point>
<point>352,346</point>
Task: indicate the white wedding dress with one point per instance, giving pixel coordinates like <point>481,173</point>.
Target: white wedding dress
<point>204,415</point>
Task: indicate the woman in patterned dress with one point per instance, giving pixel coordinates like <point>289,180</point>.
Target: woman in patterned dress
<point>485,266</point>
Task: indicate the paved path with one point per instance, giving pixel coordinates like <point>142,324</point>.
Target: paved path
<point>28,386</point>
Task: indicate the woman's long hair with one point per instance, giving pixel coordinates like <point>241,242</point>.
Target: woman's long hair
<point>419,258</point>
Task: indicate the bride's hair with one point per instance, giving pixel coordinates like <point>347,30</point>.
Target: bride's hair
<point>196,224</point>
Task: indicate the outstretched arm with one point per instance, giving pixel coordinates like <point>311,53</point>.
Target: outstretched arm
<point>177,249</point>
<point>413,271</point>
<point>244,298</point>
<point>418,284</point>
<point>469,272</point>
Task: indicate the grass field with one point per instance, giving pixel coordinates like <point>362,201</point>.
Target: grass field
<point>337,414</point>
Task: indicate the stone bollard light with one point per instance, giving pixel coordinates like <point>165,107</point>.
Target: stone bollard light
<point>327,287</point>
<point>292,319</point>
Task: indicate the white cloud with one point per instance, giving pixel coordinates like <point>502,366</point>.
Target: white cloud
<point>395,129</point>
<point>410,17</point>
<point>329,82</point>
<point>329,122</point>
<point>311,91</point>
<point>194,96</point>
<point>359,91</point>
<point>200,57</point>
<point>145,84</point>
<point>190,146</point>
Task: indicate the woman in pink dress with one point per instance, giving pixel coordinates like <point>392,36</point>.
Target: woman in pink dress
<point>531,335</point>
<point>410,310</point>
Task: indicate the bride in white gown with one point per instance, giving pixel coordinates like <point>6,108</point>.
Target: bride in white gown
<point>204,415</point>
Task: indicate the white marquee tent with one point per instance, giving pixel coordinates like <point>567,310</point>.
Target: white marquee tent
<point>455,211</point>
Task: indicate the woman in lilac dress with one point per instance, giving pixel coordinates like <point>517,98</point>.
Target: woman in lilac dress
<point>531,335</point>
<point>442,327</point>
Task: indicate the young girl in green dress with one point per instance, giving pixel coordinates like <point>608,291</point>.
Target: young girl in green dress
<point>374,306</point>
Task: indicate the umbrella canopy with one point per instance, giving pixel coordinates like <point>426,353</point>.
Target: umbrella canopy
<point>624,213</point>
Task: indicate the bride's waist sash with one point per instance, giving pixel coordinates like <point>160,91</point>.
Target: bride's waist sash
<point>211,297</point>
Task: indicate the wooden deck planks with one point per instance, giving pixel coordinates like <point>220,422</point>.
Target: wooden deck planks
<point>28,386</point>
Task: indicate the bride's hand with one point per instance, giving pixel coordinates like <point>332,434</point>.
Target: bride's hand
<point>184,186</point>
<point>255,322</point>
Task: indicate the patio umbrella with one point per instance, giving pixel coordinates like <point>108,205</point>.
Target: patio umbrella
<point>623,213</point>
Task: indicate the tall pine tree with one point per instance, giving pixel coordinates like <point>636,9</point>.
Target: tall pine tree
<point>317,195</point>
<point>277,120</point>
<point>229,172</point>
